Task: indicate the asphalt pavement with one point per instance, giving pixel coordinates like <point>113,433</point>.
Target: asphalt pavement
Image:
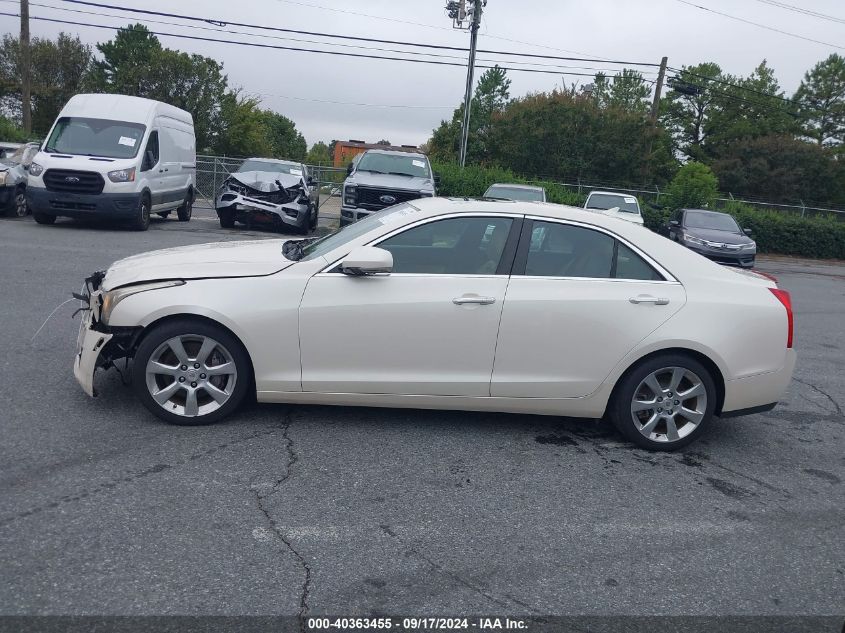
<point>105,510</point>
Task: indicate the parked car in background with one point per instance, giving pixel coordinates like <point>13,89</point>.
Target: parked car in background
<point>448,304</point>
<point>619,205</point>
<point>274,193</point>
<point>381,178</point>
<point>13,176</point>
<point>715,235</point>
<point>115,157</point>
<point>509,191</point>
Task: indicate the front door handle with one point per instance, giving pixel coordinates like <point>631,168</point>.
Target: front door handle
<point>658,301</point>
<point>459,301</point>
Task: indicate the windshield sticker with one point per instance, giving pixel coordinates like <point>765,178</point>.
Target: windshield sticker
<point>125,140</point>
<point>296,172</point>
<point>630,200</point>
<point>418,163</point>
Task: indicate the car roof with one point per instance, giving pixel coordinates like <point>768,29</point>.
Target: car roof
<point>710,211</point>
<point>274,160</point>
<point>612,193</point>
<point>514,185</point>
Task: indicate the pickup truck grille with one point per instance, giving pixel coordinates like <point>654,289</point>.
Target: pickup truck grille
<point>72,181</point>
<point>370,198</point>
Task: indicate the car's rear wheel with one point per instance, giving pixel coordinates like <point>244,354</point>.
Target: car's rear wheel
<point>190,372</point>
<point>19,206</point>
<point>664,403</point>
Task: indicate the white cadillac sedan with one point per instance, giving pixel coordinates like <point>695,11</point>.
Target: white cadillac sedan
<point>448,304</point>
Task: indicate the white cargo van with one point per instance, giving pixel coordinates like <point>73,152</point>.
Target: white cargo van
<point>115,157</point>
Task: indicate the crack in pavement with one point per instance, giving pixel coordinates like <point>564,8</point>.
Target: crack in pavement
<point>260,498</point>
<point>459,579</point>
<point>822,392</point>
<point>128,478</point>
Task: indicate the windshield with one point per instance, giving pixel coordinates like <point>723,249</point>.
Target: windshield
<point>397,164</point>
<point>515,193</point>
<point>273,167</point>
<point>604,201</point>
<point>95,137</point>
<point>709,220</point>
<point>352,231</point>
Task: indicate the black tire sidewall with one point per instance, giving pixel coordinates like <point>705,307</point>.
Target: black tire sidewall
<point>185,212</point>
<point>227,218</point>
<point>142,220</point>
<point>620,406</point>
<point>14,211</point>
<point>186,326</point>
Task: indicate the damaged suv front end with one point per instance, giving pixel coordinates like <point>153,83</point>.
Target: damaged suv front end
<point>271,193</point>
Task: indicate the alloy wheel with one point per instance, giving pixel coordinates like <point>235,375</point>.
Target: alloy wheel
<point>191,375</point>
<point>20,204</point>
<point>669,404</point>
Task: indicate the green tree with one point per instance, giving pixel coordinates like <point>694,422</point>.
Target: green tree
<point>626,91</point>
<point>319,154</point>
<point>283,138</point>
<point>135,63</point>
<point>821,96</point>
<point>687,105</point>
<point>243,131</point>
<point>383,142</point>
<point>57,69</point>
<point>694,186</point>
<point>489,100</point>
<point>10,132</point>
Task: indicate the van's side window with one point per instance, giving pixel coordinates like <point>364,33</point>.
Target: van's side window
<point>152,148</point>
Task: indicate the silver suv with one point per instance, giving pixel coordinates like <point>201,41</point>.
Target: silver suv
<point>381,178</point>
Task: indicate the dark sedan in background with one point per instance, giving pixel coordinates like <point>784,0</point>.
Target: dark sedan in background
<point>715,235</point>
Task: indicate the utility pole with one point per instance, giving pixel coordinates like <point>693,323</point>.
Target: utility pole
<point>658,88</point>
<point>25,68</point>
<point>458,12</point>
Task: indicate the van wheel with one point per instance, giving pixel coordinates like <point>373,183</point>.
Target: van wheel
<point>142,214</point>
<point>227,218</point>
<point>664,403</point>
<point>184,212</point>
<point>43,218</point>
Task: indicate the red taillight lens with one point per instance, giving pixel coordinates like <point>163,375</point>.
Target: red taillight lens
<point>786,300</point>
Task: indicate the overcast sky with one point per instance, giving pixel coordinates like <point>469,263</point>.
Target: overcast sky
<point>299,84</point>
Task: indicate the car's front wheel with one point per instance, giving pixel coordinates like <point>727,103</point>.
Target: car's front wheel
<point>191,372</point>
<point>19,206</point>
<point>227,218</point>
<point>664,403</point>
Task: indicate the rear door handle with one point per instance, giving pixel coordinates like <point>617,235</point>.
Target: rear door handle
<point>658,301</point>
<point>459,301</point>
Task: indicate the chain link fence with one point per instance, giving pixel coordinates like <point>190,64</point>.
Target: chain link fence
<point>213,170</point>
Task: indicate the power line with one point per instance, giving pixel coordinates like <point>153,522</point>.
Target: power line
<point>350,37</point>
<point>733,85</point>
<point>303,50</point>
<point>815,14</point>
<point>757,24</point>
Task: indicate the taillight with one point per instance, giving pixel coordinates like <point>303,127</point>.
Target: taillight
<point>786,300</point>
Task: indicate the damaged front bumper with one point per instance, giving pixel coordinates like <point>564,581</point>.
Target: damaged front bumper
<point>247,208</point>
<point>89,344</point>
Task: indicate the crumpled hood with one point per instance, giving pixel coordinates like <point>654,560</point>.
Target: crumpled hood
<point>251,258</point>
<point>389,181</point>
<point>266,181</point>
<point>725,237</point>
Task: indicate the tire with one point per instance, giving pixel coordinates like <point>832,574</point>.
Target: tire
<point>650,427</point>
<point>19,208</point>
<point>186,210</point>
<point>43,218</point>
<point>314,219</point>
<point>230,377</point>
<point>227,218</point>
<point>141,222</point>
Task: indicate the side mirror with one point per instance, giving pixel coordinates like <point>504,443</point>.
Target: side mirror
<point>349,169</point>
<point>747,231</point>
<point>674,223</point>
<point>367,260</point>
<point>311,182</point>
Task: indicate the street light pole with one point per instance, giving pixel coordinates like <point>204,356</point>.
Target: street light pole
<point>474,26</point>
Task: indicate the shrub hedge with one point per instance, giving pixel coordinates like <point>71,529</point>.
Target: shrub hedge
<point>821,237</point>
